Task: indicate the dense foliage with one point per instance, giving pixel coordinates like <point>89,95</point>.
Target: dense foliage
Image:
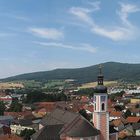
<point>27,133</point>
<point>15,106</point>
<point>114,96</point>
<point>112,71</point>
<point>86,91</point>
<point>38,96</point>
<point>2,108</point>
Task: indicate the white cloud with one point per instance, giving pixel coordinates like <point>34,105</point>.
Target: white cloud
<point>115,33</point>
<point>124,12</point>
<point>80,47</point>
<point>94,5</point>
<point>48,33</point>
<point>82,14</point>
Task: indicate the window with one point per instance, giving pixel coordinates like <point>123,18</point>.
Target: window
<point>103,106</point>
<point>95,106</point>
<point>94,98</point>
<point>103,98</point>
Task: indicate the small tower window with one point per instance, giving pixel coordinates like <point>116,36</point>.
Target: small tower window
<point>103,98</point>
<point>95,106</point>
<point>94,98</point>
<point>103,106</point>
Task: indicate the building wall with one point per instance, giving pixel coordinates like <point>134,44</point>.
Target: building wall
<point>16,129</point>
<point>40,126</point>
<point>113,136</point>
<point>138,132</point>
<point>101,122</point>
<point>135,101</point>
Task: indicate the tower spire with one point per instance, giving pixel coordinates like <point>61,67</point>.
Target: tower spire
<point>100,76</point>
<point>100,69</point>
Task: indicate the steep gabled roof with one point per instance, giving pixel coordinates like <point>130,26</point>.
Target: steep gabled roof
<point>59,116</point>
<point>49,132</point>
<point>79,127</point>
<point>70,124</point>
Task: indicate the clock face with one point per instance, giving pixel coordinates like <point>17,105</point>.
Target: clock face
<point>103,98</point>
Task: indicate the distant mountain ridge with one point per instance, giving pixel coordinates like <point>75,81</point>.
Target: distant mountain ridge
<point>111,71</point>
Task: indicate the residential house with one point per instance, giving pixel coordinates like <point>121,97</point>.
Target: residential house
<point>6,120</point>
<point>135,111</point>
<point>126,132</point>
<point>114,115</point>
<point>136,128</point>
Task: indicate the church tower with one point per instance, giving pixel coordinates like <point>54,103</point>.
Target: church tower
<point>100,114</point>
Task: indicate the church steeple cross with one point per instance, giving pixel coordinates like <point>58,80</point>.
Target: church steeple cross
<point>100,76</point>
<point>100,69</point>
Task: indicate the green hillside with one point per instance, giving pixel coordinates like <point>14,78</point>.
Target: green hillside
<point>111,70</point>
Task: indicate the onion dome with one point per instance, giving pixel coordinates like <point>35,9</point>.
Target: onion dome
<point>100,88</point>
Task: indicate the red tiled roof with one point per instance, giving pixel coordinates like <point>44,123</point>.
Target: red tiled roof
<point>12,137</point>
<point>111,109</point>
<point>122,135</point>
<point>19,114</point>
<point>117,122</point>
<point>116,114</point>
<point>133,119</point>
<point>84,99</point>
<point>49,106</point>
<point>89,108</point>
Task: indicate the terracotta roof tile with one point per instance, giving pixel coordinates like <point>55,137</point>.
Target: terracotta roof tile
<point>12,137</point>
<point>116,114</point>
<point>133,119</point>
<point>117,122</point>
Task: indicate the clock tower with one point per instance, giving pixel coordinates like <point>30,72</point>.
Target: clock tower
<point>100,114</point>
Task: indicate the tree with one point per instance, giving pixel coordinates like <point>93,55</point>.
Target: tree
<point>127,113</point>
<point>84,114</point>
<point>26,133</point>
<point>137,106</point>
<point>2,108</point>
<point>15,106</point>
<point>119,107</point>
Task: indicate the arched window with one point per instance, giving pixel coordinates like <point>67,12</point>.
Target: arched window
<point>103,106</point>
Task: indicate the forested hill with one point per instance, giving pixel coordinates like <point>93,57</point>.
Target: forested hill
<point>111,71</point>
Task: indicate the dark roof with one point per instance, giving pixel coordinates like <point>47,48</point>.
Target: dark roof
<point>100,89</point>
<point>133,138</point>
<point>25,122</point>
<point>82,128</point>
<point>71,124</point>
<point>49,132</point>
<point>136,126</point>
<point>2,118</point>
<point>59,116</point>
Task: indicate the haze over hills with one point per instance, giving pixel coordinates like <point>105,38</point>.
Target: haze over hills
<point>111,71</point>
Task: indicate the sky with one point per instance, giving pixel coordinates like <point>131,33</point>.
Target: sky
<point>40,35</point>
